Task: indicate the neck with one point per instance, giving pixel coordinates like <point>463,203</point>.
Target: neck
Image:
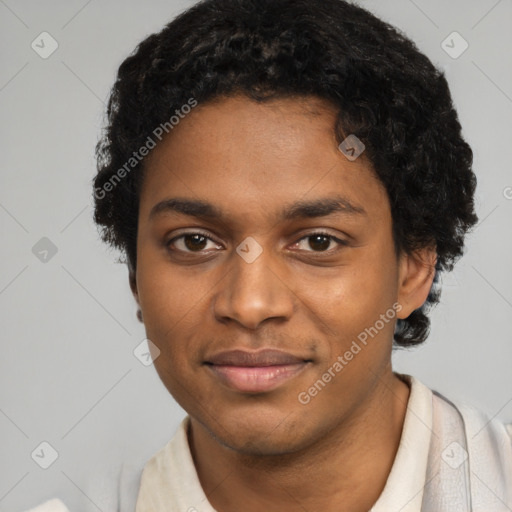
<point>348,467</point>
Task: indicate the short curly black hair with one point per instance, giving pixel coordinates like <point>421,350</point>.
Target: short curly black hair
<point>384,91</point>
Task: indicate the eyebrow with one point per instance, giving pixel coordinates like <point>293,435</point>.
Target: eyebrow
<point>321,207</point>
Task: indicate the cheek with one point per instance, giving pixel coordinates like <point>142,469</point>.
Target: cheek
<point>173,312</point>
<point>354,296</point>
<point>170,303</point>
<point>168,293</point>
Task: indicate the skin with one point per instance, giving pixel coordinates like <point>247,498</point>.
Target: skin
<point>268,451</point>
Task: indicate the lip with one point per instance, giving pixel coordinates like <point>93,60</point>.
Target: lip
<point>264,357</point>
<point>255,372</point>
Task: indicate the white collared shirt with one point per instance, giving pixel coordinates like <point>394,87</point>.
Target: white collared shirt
<point>425,477</point>
<point>170,481</point>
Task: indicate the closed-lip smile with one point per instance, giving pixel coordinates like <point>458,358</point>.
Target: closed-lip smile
<point>255,372</point>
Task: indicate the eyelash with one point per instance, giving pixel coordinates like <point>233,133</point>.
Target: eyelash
<point>309,235</point>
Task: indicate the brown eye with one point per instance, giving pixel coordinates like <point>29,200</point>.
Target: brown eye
<point>319,242</point>
<point>194,242</point>
<point>191,242</point>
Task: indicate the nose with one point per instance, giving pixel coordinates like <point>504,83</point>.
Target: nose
<point>253,293</point>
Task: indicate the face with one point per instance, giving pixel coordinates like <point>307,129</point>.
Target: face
<point>263,255</point>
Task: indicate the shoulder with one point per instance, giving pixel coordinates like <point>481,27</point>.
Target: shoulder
<point>99,491</point>
<point>485,446</point>
<point>475,421</point>
<point>480,425</point>
<point>485,431</point>
<point>117,487</point>
<point>54,505</point>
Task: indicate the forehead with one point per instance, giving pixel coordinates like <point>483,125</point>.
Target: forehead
<point>254,158</point>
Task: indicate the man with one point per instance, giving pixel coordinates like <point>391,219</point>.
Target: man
<point>287,180</point>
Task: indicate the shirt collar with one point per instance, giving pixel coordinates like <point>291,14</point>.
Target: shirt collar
<point>170,481</point>
<point>404,487</point>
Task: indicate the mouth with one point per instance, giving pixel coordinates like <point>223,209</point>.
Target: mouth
<point>255,372</point>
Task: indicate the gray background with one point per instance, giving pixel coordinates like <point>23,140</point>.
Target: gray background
<point>68,373</point>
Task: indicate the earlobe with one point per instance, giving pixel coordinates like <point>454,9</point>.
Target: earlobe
<point>416,275</point>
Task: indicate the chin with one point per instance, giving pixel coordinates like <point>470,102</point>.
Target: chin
<point>264,435</point>
<point>259,445</point>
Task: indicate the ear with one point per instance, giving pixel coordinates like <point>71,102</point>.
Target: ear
<point>132,278</point>
<point>416,275</point>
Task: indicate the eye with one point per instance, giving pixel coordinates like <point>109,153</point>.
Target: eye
<point>191,242</point>
<point>197,242</point>
<point>320,242</point>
